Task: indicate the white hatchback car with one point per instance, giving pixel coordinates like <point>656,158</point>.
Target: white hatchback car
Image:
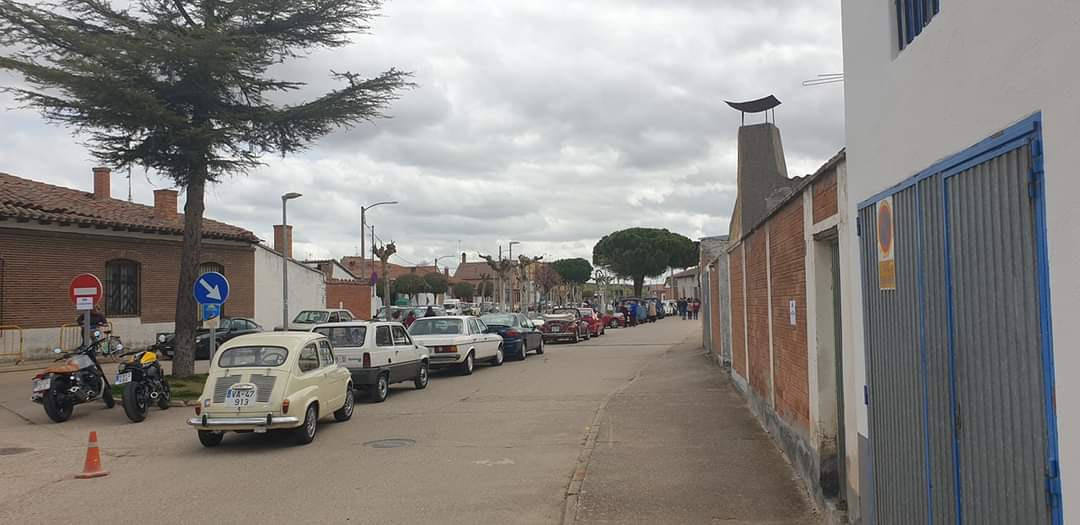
<point>377,354</point>
<point>272,381</point>
<point>457,341</point>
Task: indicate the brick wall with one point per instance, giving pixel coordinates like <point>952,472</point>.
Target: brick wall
<point>757,312</point>
<point>787,267</point>
<point>825,196</point>
<point>354,296</point>
<point>39,266</point>
<point>738,301</point>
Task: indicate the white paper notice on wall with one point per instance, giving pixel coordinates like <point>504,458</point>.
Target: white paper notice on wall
<point>791,311</point>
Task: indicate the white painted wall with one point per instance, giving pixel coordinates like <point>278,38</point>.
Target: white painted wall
<point>307,287</point>
<point>979,66</point>
<point>338,272</point>
<point>39,342</point>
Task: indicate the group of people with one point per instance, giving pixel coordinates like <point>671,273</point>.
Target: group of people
<point>688,308</point>
<point>396,316</point>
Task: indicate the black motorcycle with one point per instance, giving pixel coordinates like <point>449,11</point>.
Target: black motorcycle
<point>79,379</point>
<point>143,382</point>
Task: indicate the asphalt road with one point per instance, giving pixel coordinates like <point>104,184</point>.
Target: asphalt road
<point>500,446</point>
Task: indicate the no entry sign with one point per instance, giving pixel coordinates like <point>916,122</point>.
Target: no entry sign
<point>85,291</point>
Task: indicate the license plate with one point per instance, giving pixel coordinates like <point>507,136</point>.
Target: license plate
<point>557,329</point>
<point>42,384</point>
<point>122,378</point>
<point>239,398</point>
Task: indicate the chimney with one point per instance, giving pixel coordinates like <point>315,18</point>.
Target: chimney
<point>462,257</point>
<point>101,183</point>
<point>283,239</point>
<point>165,204</point>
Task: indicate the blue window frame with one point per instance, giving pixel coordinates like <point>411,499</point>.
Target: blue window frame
<point>911,17</point>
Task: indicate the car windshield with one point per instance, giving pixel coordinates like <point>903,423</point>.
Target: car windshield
<point>500,319</point>
<point>312,316</point>
<point>344,336</point>
<point>432,326</point>
<point>253,356</point>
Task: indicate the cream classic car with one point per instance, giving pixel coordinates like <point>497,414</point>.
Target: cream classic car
<point>273,381</point>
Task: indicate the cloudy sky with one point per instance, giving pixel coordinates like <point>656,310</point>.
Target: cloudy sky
<point>549,123</point>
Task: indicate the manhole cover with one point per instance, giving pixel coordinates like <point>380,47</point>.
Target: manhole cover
<point>11,451</point>
<point>390,443</point>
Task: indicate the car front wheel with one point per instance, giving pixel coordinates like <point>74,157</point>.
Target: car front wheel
<point>345,412</point>
<point>305,433</point>
<point>499,358</point>
<point>540,349</point>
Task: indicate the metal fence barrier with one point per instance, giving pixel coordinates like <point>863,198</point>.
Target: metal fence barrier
<point>11,342</point>
<point>71,335</point>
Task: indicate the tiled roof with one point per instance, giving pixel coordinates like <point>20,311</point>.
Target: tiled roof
<point>363,270</point>
<point>687,273</point>
<point>471,271</point>
<point>28,200</point>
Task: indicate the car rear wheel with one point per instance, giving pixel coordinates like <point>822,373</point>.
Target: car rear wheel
<point>523,351</point>
<point>466,367</point>
<point>305,433</point>
<point>381,389</point>
<point>210,438</point>
<point>345,412</point>
<point>540,349</point>
<point>421,380</point>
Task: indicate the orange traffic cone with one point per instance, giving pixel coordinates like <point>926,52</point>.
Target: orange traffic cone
<point>92,467</point>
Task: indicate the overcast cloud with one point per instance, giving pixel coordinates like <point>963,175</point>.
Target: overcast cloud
<point>549,123</point>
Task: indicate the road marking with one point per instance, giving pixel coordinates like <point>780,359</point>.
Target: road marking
<point>490,463</point>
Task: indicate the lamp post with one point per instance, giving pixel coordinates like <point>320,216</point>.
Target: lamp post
<point>285,262</point>
<point>363,219</point>
<point>510,257</point>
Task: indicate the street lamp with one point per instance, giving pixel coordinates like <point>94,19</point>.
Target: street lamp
<point>285,261</point>
<point>441,257</point>
<point>510,256</point>
<point>363,210</point>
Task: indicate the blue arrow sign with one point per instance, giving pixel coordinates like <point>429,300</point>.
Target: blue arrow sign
<point>211,288</point>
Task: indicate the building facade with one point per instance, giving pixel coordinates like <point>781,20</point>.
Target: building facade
<point>962,122</point>
<point>50,234</point>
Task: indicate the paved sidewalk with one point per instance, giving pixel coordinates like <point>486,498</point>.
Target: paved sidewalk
<point>679,445</point>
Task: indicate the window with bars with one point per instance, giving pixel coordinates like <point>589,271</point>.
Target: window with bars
<point>912,16</point>
<point>121,287</point>
<point>211,267</point>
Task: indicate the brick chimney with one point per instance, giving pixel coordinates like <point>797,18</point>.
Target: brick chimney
<point>165,204</point>
<point>102,191</point>
<point>283,239</point>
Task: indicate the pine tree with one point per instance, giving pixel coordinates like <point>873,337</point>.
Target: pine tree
<point>183,87</point>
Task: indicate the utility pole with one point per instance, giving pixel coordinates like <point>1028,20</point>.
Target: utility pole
<point>285,262</point>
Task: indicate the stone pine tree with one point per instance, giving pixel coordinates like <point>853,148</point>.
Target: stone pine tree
<point>184,88</point>
<point>637,253</point>
<point>574,272</point>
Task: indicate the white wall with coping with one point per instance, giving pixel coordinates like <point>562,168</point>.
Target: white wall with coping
<point>39,342</point>
<point>979,66</point>
<point>307,287</point>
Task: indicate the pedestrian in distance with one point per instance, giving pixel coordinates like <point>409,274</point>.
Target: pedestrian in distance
<point>430,312</point>
<point>697,308</point>
<point>409,319</point>
<point>652,311</point>
<point>682,308</point>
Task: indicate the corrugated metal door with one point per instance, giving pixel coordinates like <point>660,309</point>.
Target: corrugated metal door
<point>958,354</point>
<point>997,342</point>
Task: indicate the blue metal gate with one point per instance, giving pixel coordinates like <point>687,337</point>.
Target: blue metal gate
<point>959,357</point>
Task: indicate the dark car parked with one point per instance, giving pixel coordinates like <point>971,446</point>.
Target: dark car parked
<point>229,328</point>
<point>519,334</point>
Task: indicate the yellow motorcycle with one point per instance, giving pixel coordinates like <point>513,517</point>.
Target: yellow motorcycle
<point>143,383</point>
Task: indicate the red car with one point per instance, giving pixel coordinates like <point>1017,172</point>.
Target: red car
<point>613,320</point>
<point>596,324</point>
<point>565,324</point>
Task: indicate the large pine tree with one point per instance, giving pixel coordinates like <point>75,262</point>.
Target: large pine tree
<point>182,87</point>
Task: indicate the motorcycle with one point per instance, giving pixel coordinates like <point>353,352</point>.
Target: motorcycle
<point>143,382</point>
<point>79,379</point>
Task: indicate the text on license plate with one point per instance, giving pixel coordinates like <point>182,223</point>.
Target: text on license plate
<point>122,378</point>
<point>239,398</point>
<point>42,384</point>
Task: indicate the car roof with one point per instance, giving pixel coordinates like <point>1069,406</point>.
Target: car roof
<point>290,338</point>
<point>461,317</point>
<point>358,322</point>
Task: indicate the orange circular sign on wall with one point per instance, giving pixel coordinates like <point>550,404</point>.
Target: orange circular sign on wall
<point>885,227</point>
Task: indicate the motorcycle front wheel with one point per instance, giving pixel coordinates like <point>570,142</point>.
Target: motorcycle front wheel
<point>136,401</point>
<point>106,394</point>
<point>57,405</point>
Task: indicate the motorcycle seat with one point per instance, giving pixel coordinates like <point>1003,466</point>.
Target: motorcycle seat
<point>64,368</point>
